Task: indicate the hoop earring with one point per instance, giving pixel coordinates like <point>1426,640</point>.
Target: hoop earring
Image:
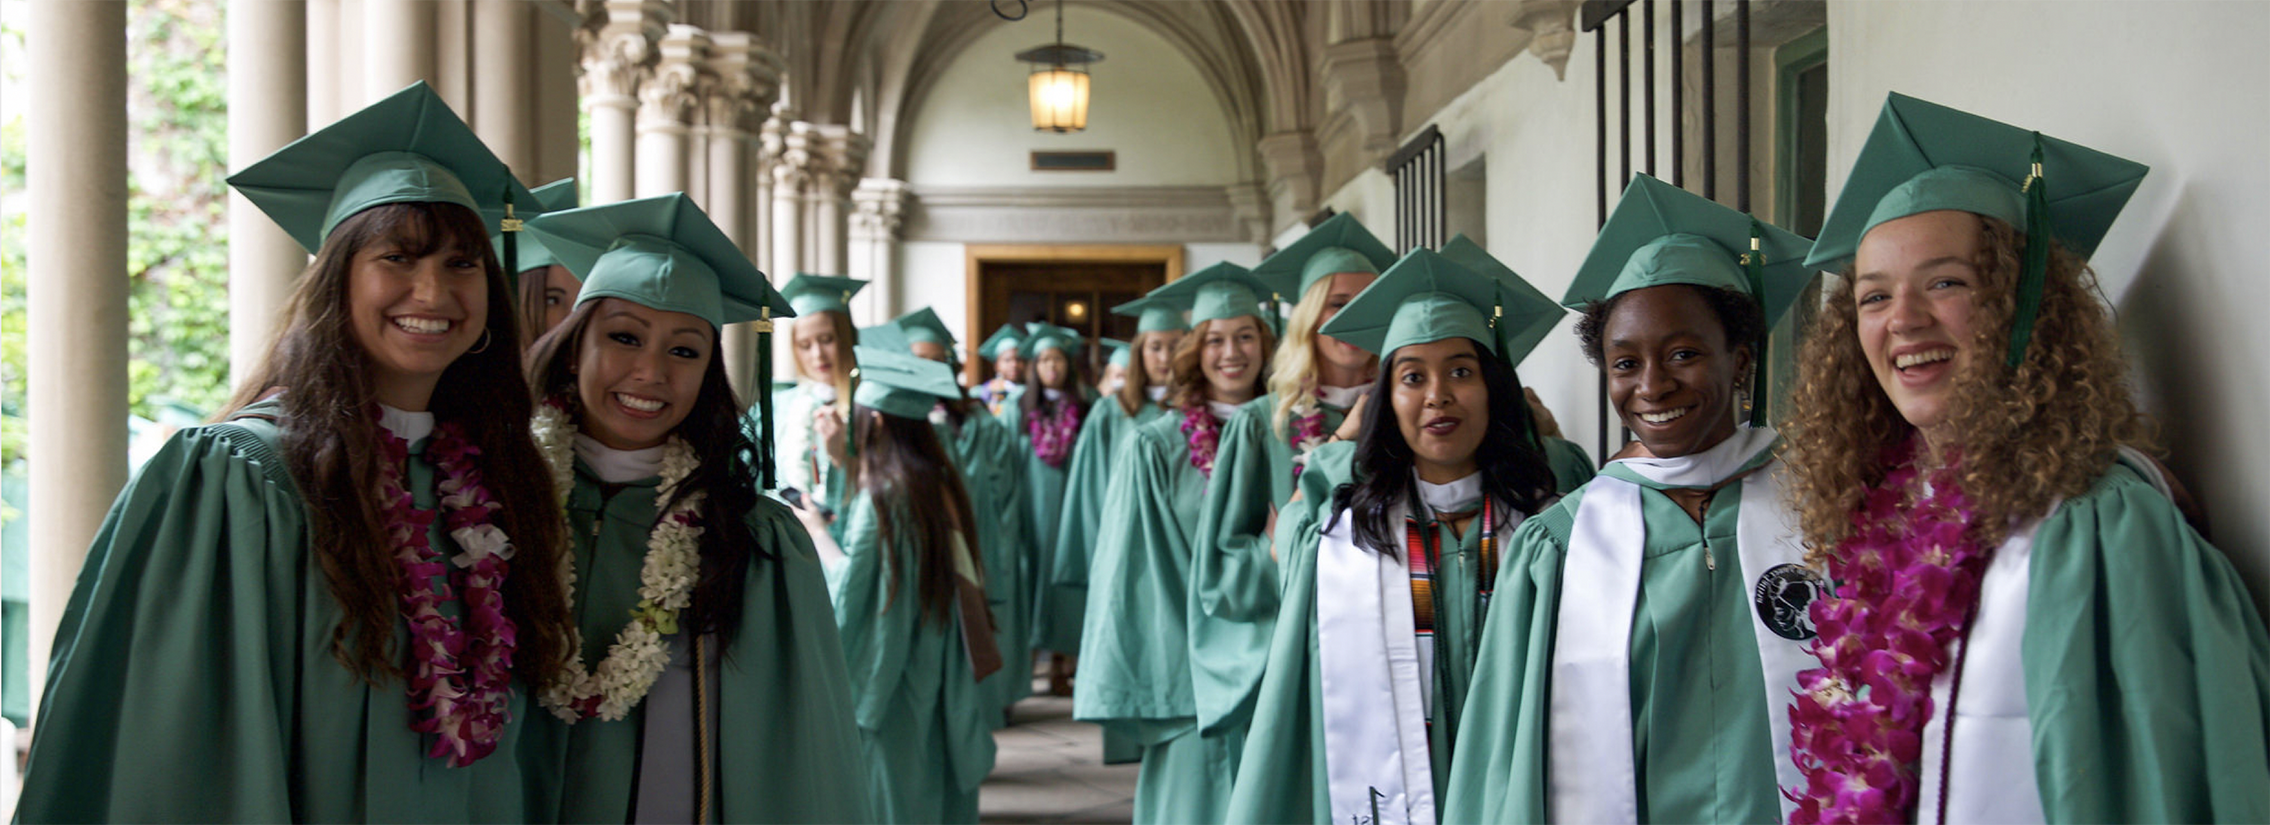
<point>481,347</point>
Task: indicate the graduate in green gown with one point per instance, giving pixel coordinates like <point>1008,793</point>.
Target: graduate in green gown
<point>1114,374</point>
<point>1046,419</point>
<point>909,589</point>
<point>1630,671</point>
<point>1002,348</point>
<point>1313,380</point>
<point>2089,656</point>
<point>241,645</point>
<point>993,473</point>
<point>1386,594</point>
<point>710,684</point>
<point>1135,649</point>
<point>547,289</point>
<point>811,454</point>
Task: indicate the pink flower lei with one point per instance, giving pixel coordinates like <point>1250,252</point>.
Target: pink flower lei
<point>1308,434</point>
<point>1907,582</point>
<point>1205,436</point>
<point>462,679</point>
<point>1054,434</point>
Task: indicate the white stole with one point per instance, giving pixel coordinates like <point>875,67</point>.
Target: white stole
<point>1591,775</point>
<point>1375,718</point>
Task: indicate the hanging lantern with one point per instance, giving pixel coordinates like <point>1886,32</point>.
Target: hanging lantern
<point>1058,84</point>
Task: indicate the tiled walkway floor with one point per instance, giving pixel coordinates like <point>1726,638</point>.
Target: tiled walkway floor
<point>1050,769</point>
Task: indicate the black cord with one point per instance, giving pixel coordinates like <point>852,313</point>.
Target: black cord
<point>1023,8</point>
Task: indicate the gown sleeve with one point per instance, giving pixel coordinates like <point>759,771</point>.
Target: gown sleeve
<point>1083,496</point>
<point>1498,772</point>
<point>170,691</point>
<point>788,741</point>
<point>1135,656</point>
<point>1571,466</point>
<point>2147,668</point>
<point>1233,582</point>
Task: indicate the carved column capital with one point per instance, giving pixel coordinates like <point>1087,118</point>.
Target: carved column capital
<point>1249,203</point>
<point>839,156</point>
<point>618,40</point>
<point>1552,30</point>
<point>1365,77</point>
<point>1294,167</point>
<point>878,208</point>
<point>673,90</point>
<point>791,155</point>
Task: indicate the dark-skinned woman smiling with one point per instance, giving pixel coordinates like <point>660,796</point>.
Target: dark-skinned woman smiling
<point>1643,627</point>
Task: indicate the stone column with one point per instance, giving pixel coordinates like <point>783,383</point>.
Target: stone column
<point>746,86</point>
<point>618,50</point>
<point>267,109</point>
<point>667,99</point>
<point>399,39</point>
<point>790,175</point>
<point>504,87</point>
<point>877,208</point>
<point>842,156</point>
<point>325,65</point>
<point>76,281</point>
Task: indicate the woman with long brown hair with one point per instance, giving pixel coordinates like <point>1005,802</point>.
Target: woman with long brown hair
<point>1135,676</point>
<point>909,588</point>
<point>333,603</point>
<point>709,685</point>
<point>547,289</point>
<point>1047,418</point>
<point>2042,636</point>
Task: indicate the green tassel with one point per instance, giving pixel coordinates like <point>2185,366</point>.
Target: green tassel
<point>511,227</point>
<point>2035,271</point>
<point>1276,314</point>
<point>1754,271</point>
<point>1500,339</point>
<point>764,400</point>
<point>851,428</point>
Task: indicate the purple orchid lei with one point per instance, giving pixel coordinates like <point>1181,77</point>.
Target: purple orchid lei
<point>1205,436</point>
<point>1907,580</point>
<point>1054,434</point>
<point>462,678</point>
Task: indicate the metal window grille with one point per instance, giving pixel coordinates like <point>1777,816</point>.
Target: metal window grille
<point>1418,171</point>
<point>1595,16</point>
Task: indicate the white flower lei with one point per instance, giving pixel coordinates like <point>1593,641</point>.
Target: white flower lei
<point>666,585</point>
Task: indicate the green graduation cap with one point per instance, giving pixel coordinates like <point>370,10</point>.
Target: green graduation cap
<point>1224,290</point>
<point>1522,315</point>
<point>923,326</point>
<point>1009,337</point>
<point>1662,234</point>
<point>557,196</point>
<point>1425,297</point>
<point>887,335</point>
<point>408,148</point>
<point>1041,335</point>
<point>1924,157</point>
<point>661,252</point>
<point>1339,244</point>
<point>1118,349</point>
<point>897,383</point>
<point>821,293</point>
<point>1154,315</point>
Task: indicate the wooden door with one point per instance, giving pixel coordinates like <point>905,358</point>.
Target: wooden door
<point>1073,287</point>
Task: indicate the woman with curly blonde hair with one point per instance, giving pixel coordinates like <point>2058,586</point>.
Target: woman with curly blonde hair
<point>2018,597</point>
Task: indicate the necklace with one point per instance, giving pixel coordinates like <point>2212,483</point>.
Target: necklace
<point>1052,435</point>
<point>1204,435</point>
<point>463,677</point>
<point>1907,585</point>
<point>666,584</point>
<point>1308,432</point>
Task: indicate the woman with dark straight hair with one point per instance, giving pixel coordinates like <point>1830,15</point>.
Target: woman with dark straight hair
<point>333,603</point>
<point>1390,552</point>
<point>909,585</point>
<point>1046,419</point>
<point>708,684</point>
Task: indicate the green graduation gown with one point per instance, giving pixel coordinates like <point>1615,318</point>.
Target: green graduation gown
<point>1135,674</point>
<point>1702,750</point>
<point>801,460</point>
<point>2142,671</point>
<point>1234,582</point>
<point>1571,466</point>
<point>1066,595</point>
<point>1044,506</point>
<point>993,473</point>
<point>785,744</point>
<point>192,678</point>
<point>923,718</point>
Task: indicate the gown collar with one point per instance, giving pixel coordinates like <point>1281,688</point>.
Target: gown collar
<point>409,426</point>
<point>1222,410</point>
<point>1456,497</point>
<point>615,466</point>
<point>1341,398</point>
<point>1158,394</point>
<point>1747,449</point>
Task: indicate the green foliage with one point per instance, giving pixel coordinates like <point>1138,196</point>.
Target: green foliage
<point>177,206</point>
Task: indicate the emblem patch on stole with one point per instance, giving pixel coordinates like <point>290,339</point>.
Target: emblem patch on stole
<point>1783,596</point>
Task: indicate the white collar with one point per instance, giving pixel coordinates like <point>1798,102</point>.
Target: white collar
<point>1051,395</point>
<point>1222,410</point>
<point>409,426</point>
<point>1341,398</point>
<point>1157,394</point>
<point>618,466</point>
<point>1113,387</point>
<point>821,391</point>
<point>1457,496</point>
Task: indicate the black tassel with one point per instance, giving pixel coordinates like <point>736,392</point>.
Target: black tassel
<point>764,400</point>
<point>2034,275</point>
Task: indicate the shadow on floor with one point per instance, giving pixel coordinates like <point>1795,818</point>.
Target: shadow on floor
<point>1050,769</point>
